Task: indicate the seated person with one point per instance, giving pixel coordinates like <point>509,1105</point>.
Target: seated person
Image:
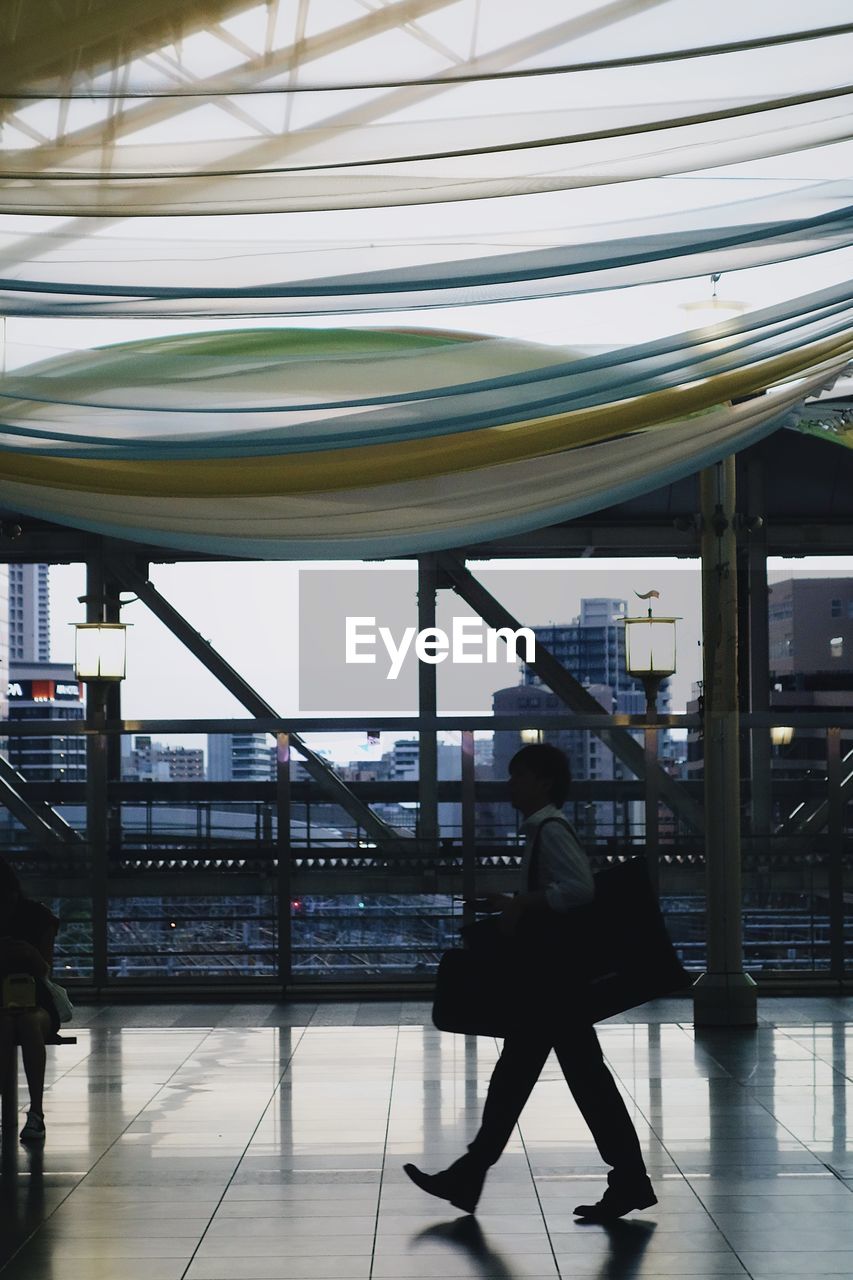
<point>27,933</point>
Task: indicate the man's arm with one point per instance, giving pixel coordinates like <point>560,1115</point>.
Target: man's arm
<point>565,872</point>
<point>564,869</point>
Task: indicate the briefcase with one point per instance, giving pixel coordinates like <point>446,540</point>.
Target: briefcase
<point>19,992</point>
<point>584,965</point>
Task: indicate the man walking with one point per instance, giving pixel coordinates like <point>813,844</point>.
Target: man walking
<point>555,876</point>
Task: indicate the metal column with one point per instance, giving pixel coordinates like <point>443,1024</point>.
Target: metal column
<point>652,801</point>
<point>835,835</point>
<point>469,829</point>
<point>284,874</point>
<point>724,995</point>
<point>759,655</point>
<point>427,701</point>
<point>97,773</point>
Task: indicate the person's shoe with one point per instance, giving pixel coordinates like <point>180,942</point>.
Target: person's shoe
<point>617,1201</point>
<point>34,1129</point>
<point>461,1183</point>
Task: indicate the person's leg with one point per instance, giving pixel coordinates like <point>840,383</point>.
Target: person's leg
<point>516,1072</point>
<point>8,1071</point>
<point>600,1102</point>
<point>33,1030</point>
<point>602,1107</point>
<point>513,1078</point>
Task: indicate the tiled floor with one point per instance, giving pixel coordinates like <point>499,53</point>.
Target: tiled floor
<point>238,1142</point>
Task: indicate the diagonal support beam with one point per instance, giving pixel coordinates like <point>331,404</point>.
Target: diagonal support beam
<point>805,821</point>
<point>291,58</point>
<point>147,112</point>
<point>99,36</point>
<point>38,817</point>
<point>575,696</point>
<point>318,768</point>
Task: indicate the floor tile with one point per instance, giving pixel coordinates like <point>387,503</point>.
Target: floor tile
<point>224,1142</point>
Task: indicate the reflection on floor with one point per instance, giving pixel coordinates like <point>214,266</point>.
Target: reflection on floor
<point>227,1142</point>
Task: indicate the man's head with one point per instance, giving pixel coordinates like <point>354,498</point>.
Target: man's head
<point>538,775</point>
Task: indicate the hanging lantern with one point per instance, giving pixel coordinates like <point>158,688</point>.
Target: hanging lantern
<point>100,651</point>
<point>650,650</point>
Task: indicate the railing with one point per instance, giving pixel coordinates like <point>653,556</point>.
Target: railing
<point>195,880</point>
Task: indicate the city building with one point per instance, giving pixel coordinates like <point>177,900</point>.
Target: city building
<point>29,613</point>
<point>401,762</point>
<point>4,639</point>
<point>810,629</point>
<point>810,643</point>
<point>589,758</point>
<point>240,757</point>
<point>592,648</point>
<point>46,691</point>
<point>143,760</point>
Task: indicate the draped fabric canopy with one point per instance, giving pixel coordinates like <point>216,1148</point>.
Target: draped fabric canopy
<point>275,393</point>
<point>397,472</point>
<point>134,276</point>
<point>233,159</point>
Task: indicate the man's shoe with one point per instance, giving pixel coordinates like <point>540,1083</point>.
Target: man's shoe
<point>617,1201</point>
<point>34,1129</point>
<point>461,1184</point>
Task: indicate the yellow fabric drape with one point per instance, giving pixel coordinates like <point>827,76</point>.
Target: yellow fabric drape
<point>341,469</point>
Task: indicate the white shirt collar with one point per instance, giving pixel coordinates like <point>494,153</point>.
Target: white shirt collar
<point>536,819</point>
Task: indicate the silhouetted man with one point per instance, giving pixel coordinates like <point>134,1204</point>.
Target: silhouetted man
<point>555,876</point>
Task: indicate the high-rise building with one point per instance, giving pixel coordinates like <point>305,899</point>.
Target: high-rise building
<point>589,758</point>
<point>402,760</point>
<point>810,624</point>
<point>29,613</point>
<point>240,757</point>
<point>4,640</point>
<point>46,691</point>
<point>592,648</point>
<point>810,633</point>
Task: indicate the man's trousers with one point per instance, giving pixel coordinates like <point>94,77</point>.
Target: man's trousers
<point>592,1087</point>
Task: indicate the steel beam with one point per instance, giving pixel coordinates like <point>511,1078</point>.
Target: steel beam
<point>284,859</point>
<point>724,995</point>
<point>571,691</point>
<point>427,705</point>
<point>469,825</point>
<point>809,822</point>
<point>315,765</point>
<point>35,815</point>
<point>39,41</point>
<point>835,805</point>
<point>759,650</point>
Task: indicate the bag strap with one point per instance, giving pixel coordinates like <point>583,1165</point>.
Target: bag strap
<point>533,866</point>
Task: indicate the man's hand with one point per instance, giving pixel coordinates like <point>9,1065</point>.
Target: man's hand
<point>508,922</point>
<point>515,907</point>
<point>491,902</point>
<point>509,906</point>
<point>498,901</point>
